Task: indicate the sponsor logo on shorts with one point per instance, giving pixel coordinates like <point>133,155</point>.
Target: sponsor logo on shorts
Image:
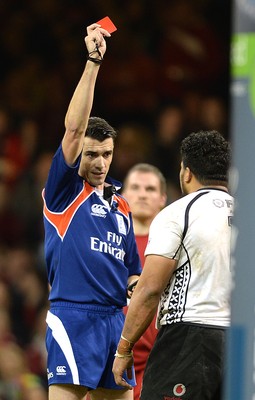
<point>179,389</point>
<point>49,374</point>
<point>98,210</point>
<point>61,370</point>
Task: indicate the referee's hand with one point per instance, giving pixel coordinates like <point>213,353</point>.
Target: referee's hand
<point>131,288</point>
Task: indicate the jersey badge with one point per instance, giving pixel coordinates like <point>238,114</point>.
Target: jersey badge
<point>121,224</point>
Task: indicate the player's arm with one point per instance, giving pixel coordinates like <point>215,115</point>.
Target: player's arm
<point>156,274</point>
<point>80,106</point>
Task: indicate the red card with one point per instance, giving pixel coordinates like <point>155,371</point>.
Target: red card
<point>107,24</point>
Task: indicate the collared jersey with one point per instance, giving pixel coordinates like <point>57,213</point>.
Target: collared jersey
<point>90,247</point>
<point>196,231</point>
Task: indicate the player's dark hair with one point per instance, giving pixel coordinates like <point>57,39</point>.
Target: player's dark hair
<point>207,154</point>
<point>100,130</point>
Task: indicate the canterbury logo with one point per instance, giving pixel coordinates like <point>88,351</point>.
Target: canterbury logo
<point>99,210</point>
<point>61,369</point>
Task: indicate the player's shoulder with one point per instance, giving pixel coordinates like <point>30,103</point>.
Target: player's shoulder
<point>173,211</point>
<point>178,207</point>
<point>181,203</point>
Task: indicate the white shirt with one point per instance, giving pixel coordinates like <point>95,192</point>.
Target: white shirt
<point>195,231</point>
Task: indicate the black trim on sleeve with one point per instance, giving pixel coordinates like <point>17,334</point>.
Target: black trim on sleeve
<point>186,216</point>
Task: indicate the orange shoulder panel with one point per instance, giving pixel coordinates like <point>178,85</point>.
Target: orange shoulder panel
<point>123,206</point>
<point>61,220</point>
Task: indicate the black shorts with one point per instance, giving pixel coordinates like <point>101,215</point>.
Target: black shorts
<point>186,363</point>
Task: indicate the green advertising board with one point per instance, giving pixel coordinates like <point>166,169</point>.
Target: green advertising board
<point>243,62</point>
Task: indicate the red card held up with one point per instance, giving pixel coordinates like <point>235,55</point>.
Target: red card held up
<point>107,24</point>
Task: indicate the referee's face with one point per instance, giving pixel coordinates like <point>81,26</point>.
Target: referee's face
<point>96,160</point>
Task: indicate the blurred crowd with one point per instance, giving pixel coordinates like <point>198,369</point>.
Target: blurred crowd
<point>165,74</point>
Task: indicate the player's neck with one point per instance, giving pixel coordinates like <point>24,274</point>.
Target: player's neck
<point>195,185</point>
<point>219,187</point>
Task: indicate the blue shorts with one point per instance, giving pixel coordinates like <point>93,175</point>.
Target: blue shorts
<point>81,341</point>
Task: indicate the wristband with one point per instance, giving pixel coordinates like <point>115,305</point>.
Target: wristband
<point>129,341</point>
<point>125,346</point>
<point>120,355</point>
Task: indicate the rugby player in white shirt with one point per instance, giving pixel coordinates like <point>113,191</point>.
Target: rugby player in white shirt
<point>187,277</point>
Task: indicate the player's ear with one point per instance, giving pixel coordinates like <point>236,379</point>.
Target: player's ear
<point>187,175</point>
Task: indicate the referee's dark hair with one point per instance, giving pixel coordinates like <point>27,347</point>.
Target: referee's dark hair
<point>100,129</point>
